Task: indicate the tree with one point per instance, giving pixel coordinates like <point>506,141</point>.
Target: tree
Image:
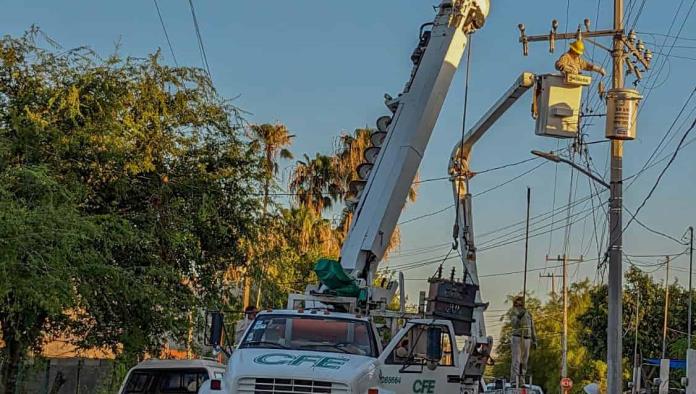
<point>650,320</point>
<point>126,191</point>
<point>272,140</point>
<point>314,182</point>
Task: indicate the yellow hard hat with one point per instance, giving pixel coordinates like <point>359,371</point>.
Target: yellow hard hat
<point>577,47</point>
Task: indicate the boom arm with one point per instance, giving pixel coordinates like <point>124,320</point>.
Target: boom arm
<point>384,193</point>
<point>474,359</point>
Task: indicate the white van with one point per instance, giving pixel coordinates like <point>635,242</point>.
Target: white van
<point>170,376</point>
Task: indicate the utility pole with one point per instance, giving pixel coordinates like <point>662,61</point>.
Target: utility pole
<point>615,277</point>
<point>565,260</point>
<point>621,125</point>
<point>691,273</point>
<point>526,244</point>
<point>553,277</point>
<point>664,324</point>
<point>636,362</point>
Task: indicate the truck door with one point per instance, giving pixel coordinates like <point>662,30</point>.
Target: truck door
<point>406,368</point>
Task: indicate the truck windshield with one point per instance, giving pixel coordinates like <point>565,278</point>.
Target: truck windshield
<point>319,333</point>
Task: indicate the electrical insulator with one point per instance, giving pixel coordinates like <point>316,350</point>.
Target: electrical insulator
<point>523,38</point>
<point>552,36</point>
<point>640,46</point>
<point>632,36</point>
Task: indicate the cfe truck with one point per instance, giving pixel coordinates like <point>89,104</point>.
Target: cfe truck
<point>330,339</point>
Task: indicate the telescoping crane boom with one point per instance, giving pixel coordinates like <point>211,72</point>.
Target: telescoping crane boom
<point>381,197</point>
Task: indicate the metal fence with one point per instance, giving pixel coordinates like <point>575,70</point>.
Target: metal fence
<point>69,376</point>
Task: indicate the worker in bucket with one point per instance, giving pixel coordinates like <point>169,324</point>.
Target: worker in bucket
<point>572,62</point>
<point>523,337</point>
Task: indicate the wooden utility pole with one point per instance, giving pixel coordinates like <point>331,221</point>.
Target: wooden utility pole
<point>664,324</point>
<point>565,260</point>
<point>553,277</point>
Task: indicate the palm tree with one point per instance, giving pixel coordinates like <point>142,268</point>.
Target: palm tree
<point>272,140</point>
<point>314,183</point>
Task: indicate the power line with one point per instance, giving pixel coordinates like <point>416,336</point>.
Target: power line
<point>538,218</point>
<point>519,239</point>
<point>201,47</point>
<point>510,180</point>
<point>667,35</point>
<point>656,232</point>
<point>662,140</point>
<point>662,173</point>
<point>674,19</point>
<point>166,35</point>
<point>427,215</point>
<point>481,193</point>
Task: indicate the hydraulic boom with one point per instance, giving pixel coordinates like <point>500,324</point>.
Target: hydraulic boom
<point>382,195</point>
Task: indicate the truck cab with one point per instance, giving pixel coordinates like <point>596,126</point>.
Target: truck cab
<point>298,351</point>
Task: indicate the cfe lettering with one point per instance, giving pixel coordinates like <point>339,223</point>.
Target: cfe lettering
<point>424,386</point>
<point>289,359</point>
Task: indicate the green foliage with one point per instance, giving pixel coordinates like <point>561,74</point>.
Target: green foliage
<point>126,192</point>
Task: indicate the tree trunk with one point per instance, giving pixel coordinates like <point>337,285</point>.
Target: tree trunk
<point>10,368</point>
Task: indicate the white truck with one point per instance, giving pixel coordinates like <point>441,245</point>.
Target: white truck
<point>327,340</point>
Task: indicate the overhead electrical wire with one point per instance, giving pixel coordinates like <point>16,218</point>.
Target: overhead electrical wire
<point>199,37</point>
<point>655,151</point>
<point>166,35</point>
<point>665,58</point>
<point>660,176</point>
<point>504,183</point>
<point>521,238</point>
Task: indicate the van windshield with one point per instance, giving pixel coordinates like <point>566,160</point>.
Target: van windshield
<point>317,333</point>
<point>155,381</point>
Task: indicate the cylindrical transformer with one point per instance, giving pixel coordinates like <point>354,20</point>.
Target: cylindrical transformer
<point>622,113</point>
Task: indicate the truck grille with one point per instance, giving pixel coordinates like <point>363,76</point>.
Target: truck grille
<point>289,386</point>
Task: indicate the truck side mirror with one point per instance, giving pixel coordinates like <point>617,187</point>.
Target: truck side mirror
<point>434,347</point>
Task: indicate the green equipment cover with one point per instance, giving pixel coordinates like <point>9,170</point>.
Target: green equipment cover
<point>332,275</point>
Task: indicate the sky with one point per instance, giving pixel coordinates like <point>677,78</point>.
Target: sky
<point>322,68</point>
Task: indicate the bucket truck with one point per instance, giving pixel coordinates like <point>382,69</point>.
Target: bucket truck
<point>327,340</point>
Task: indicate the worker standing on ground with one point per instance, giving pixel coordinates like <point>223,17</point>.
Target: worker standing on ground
<point>572,62</point>
<point>523,337</point>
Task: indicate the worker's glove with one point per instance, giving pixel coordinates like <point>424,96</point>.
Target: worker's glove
<point>534,344</point>
<point>601,71</point>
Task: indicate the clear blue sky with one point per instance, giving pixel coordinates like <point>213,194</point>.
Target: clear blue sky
<point>323,67</point>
